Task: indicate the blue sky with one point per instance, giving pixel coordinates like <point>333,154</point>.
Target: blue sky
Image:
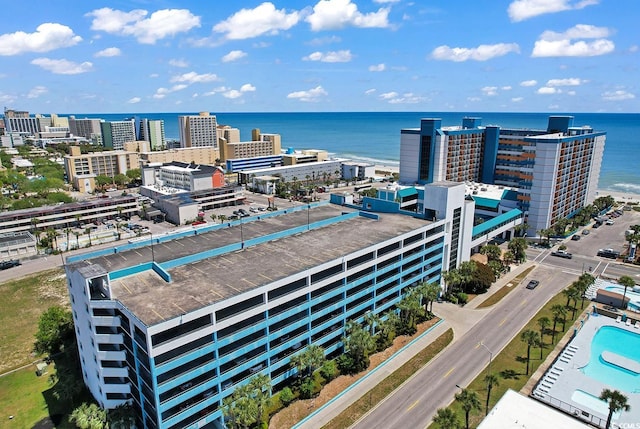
<point>320,55</point>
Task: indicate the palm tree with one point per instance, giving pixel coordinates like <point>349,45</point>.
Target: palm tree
<point>508,257</point>
<point>543,323</point>
<point>89,416</point>
<point>581,286</point>
<point>372,320</point>
<point>445,418</point>
<point>431,292</point>
<point>68,232</point>
<point>491,380</point>
<point>532,339</point>
<point>559,312</point>
<point>88,232</point>
<point>121,417</point>
<point>451,280</point>
<point>77,234</point>
<point>518,246</point>
<point>469,401</point>
<point>626,281</point>
<point>572,294</point>
<point>34,228</point>
<point>617,402</point>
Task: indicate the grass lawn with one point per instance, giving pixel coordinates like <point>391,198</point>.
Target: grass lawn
<point>510,364</point>
<point>389,384</point>
<point>28,399</point>
<point>23,301</point>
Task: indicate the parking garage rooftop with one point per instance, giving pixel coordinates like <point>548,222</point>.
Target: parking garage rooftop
<point>206,281</point>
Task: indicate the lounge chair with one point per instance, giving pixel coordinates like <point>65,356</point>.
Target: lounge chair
<point>619,319</point>
<point>628,322</point>
<point>637,324</point>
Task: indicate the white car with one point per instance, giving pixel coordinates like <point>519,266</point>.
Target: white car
<point>609,222</point>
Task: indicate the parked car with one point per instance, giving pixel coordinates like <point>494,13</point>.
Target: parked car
<point>533,284</point>
<point>575,237</point>
<point>585,232</point>
<point>609,222</point>
<point>562,254</point>
<point>608,253</point>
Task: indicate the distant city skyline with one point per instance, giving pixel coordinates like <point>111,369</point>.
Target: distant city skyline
<point>324,55</point>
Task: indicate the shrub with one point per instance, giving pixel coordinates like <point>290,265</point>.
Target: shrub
<point>307,388</point>
<point>286,396</point>
<point>462,298</point>
<point>329,370</point>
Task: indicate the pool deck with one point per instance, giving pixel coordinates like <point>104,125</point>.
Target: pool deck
<point>564,376</point>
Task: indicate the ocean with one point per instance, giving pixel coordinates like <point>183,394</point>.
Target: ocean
<point>375,136</point>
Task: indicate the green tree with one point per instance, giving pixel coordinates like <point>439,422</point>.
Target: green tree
<point>88,232</point>
<point>543,323</point>
<point>491,380</point>
<point>617,402</point>
<point>134,174</point>
<point>102,181</point>
<point>120,179</point>
<point>531,338</point>
<point>582,285</point>
<point>469,402</point>
<point>65,384</point>
<point>492,252</point>
<point>372,321</point>
<point>286,396</point>
<point>121,417</point>
<point>431,292</point>
<point>410,309</point>
<point>54,328</point>
<point>559,312</point>
<point>627,282</point>
<point>518,246</point>
<point>89,416</point>
<point>445,418</point>
<point>358,345</point>
<point>452,280</point>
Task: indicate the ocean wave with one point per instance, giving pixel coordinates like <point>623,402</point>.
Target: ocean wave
<point>376,161</point>
<point>625,187</point>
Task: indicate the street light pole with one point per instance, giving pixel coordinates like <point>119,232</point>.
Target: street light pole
<point>490,356</point>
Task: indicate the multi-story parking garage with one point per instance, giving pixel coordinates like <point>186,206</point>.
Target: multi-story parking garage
<point>174,325</point>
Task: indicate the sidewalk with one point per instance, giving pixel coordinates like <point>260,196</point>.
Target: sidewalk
<point>460,319</point>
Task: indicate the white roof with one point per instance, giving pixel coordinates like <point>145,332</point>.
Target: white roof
<point>514,410</point>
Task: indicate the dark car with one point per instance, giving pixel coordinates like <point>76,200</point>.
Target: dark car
<point>533,284</point>
<point>575,237</point>
<point>5,265</point>
<point>562,254</point>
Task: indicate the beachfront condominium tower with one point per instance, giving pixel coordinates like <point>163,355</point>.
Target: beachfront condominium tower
<point>87,128</point>
<point>555,170</point>
<point>152,130</point>
<point>200,130</point>
<point>116,133</point>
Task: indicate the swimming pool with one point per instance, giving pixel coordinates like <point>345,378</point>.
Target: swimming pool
<point>614,341</point>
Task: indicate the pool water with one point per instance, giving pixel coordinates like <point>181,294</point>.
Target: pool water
<point>621,342</point>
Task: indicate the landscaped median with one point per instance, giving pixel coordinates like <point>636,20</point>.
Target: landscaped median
<point>510,365</point>
<point>504,290</point>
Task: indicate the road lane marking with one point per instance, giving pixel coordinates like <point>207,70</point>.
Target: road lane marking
<point>502,323</point>
<point>524,301</point>
<point>413,405</point>
<point>448,373</point>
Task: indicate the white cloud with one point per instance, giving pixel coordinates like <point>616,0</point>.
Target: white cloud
<point>389,95</point>
<point>506,88</point>
<point>531,82</point>
<point>310,95</point>
<point>108,52</point>
<point>474,99</point>
<point>154,75</point>
<point>193,77</point>
<point>215,91</point>
<point>634,48</point>
<point>247,87</point>
<point>552,44</point>
<point>232,93</point>
<point>490,90</point>
<point>7,98</point>
<point>178,63</point>
<point>517,99</point>
<point>545,90</point>
<point>519,10</point>
<point>377,67</point>
<point>162,92</point>
<point>481,53</point>
<point>336,14</point>
<point>159,25</point>
<point>386,1</point>
<point>618,95</point>
<point>572,93</point>
<point>62,66</point>
<point>330,57</point>
<point>572,81</point>
<point>370,91</point>
<point>233,56</point>
<point>134,100</point>
<point>406,98</point>
<point>249,23</point>
<point>47,37</point>
<point>37,91</point>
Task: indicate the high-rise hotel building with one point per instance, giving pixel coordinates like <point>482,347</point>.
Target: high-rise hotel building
<point>116,133</point>
<point>176,323</point>
<point>555,170</point>
<point>200,130</point>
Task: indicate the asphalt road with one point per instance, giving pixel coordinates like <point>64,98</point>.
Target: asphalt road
<point>416,402</point>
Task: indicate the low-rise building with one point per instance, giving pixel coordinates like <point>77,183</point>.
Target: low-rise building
<point>179,175</point>
<point>107,163</point>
